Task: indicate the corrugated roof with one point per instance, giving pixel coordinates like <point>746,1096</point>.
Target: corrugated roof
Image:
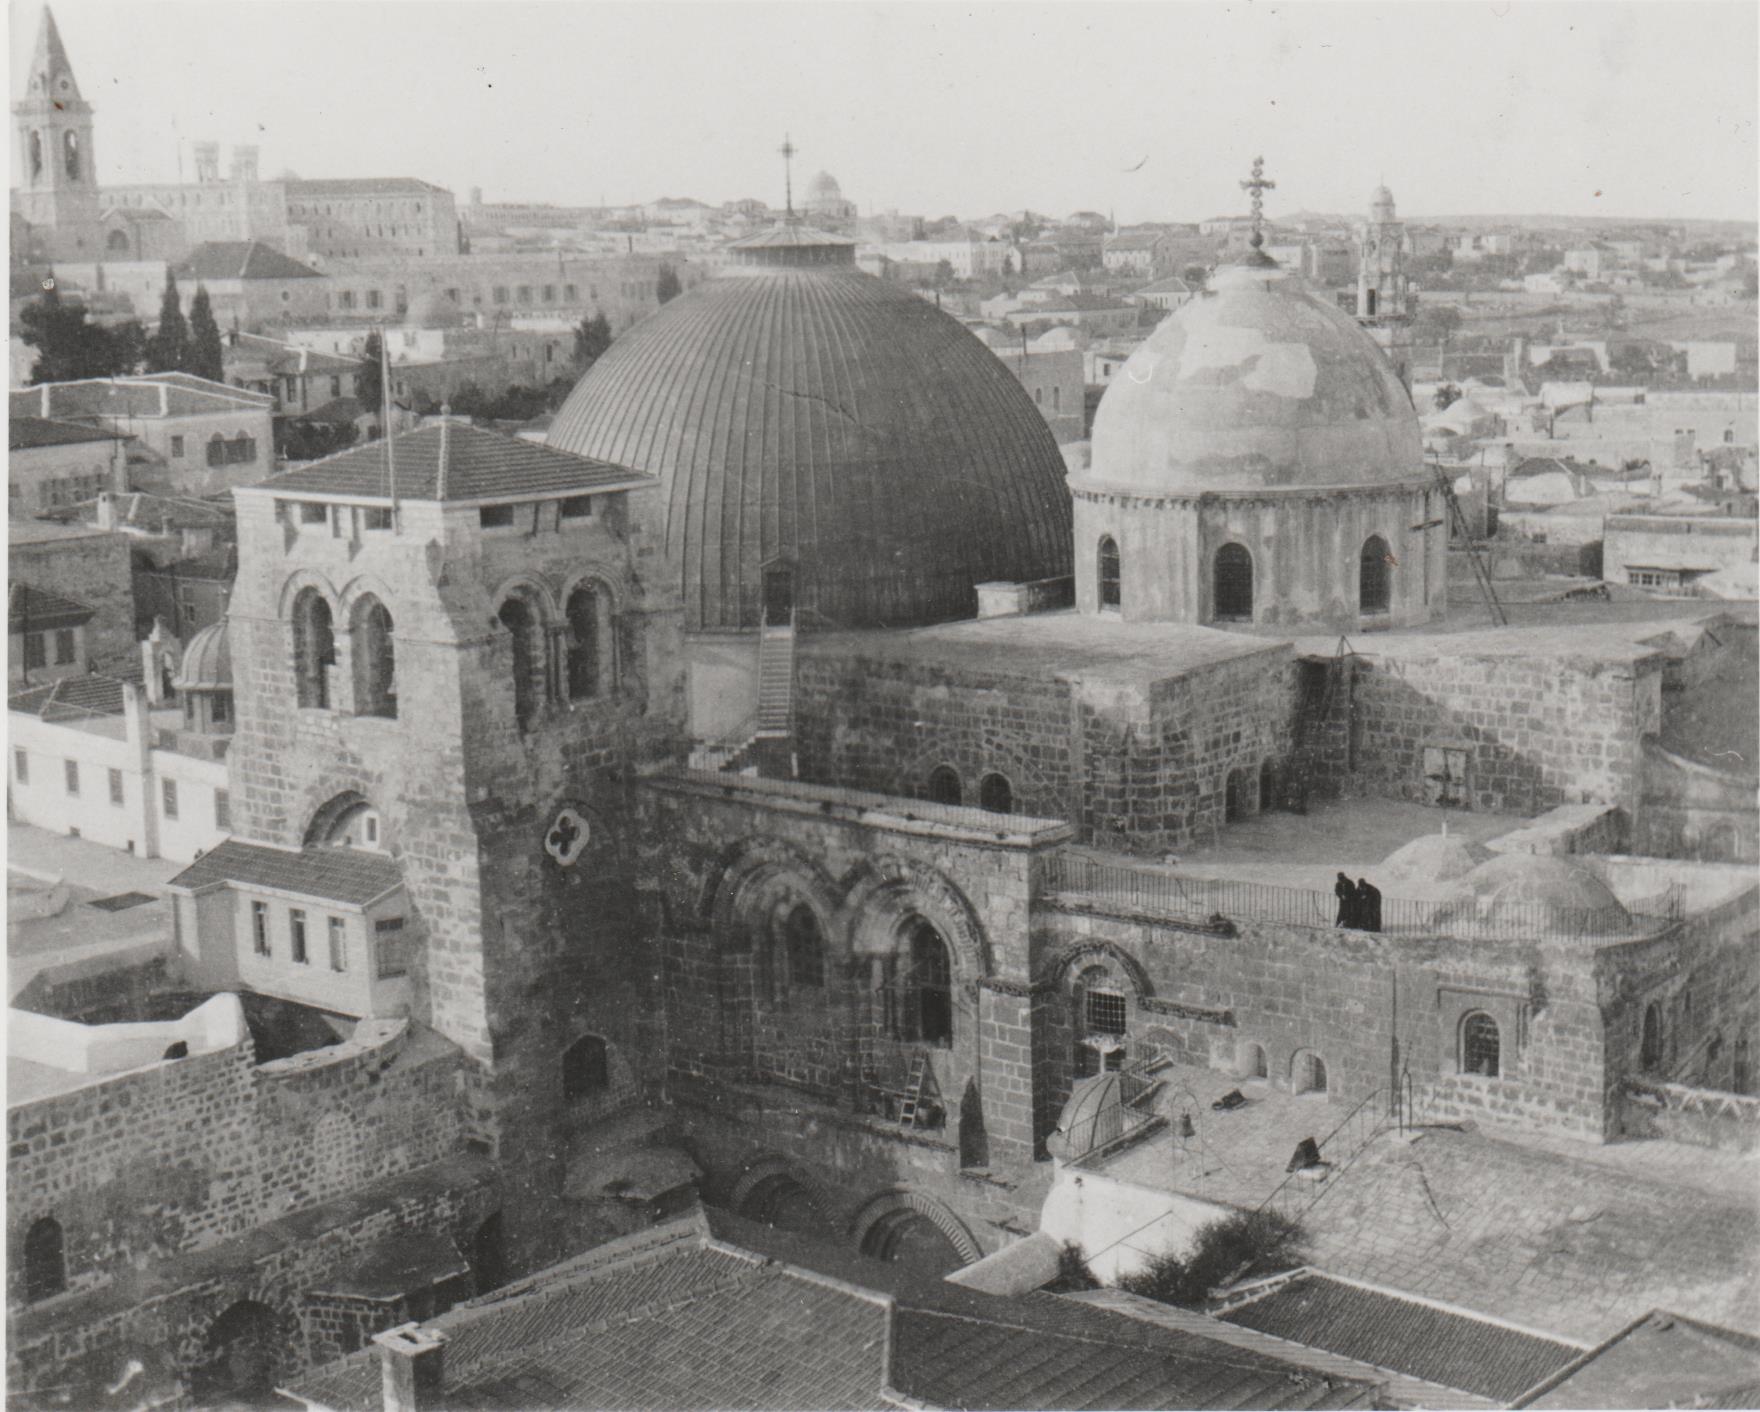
<point>31,609</point>
<point>479,465</point>
<point>24,433</point>
<point>350,876</point>
<point>241,259</point>
<point>1454,1348</point>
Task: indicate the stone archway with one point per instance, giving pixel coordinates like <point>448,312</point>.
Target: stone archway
<point>912,1228</point>
<point>888,891</point>
<point>246,1349</point>
<point>775,1192</point>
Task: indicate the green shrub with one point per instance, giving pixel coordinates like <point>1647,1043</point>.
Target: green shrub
<point>1223,1251</point>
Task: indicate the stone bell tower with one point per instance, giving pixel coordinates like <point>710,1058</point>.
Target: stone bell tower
<point>1384,300</point>
<point>57,191</point>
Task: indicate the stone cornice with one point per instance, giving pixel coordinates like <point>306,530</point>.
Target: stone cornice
<point>1109,493</point>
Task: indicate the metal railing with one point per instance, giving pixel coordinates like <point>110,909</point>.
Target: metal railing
<point>1151,889</point>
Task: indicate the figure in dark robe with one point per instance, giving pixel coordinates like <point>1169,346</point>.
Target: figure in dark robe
<point>1368,906</point>
<point>1346,892</point>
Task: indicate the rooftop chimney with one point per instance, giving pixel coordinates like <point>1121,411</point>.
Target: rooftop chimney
<point>106,510</point>
<point>410,1360</point>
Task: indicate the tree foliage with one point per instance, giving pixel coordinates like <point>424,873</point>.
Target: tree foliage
<point>591,339</point>
<point>168,348</point>
<point>205,357</point>
<point>69,345</point>
<point>1073,1274</point>
<point>1223,1252</point>
<point>369,381</point>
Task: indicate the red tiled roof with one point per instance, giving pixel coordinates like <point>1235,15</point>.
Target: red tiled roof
<point>479,465</point>
<point>23,433</point>
<point>241,259</point>
<point>361,186</point>
<point>349,876</point>
<point>71,699</point>
<point>1456,1349</point>
<point>36,610</point>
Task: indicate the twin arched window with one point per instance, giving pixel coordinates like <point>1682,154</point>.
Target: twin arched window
<point>1232,573</point>
<point>1374,583</point>
<point>589,668</point>
<point>1111,594</point>
<point>314,648</point>
<point>375,659</point>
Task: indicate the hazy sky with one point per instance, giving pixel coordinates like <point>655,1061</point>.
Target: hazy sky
<point>1463,107</point>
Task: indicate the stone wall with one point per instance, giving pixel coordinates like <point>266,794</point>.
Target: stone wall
<point>1538,731</point>
<point>90,567</point>
<point>1136,766</point>
<point>1370,1006</point>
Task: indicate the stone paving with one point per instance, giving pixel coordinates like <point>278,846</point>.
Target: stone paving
<point>1566,1238</point>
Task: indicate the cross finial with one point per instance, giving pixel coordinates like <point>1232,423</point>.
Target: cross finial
<point>1258,186</point>
<point>786,152</point>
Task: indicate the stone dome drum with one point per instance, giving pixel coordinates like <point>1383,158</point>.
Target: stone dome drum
<point>1258,384</point>
<point>800,413</point>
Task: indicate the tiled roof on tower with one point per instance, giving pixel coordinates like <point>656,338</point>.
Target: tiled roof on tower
<point>455,463</point>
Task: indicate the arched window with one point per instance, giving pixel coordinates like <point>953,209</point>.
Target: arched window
<point>36,153</point>
<point>588,642</point>
<point>1252,1063</point>
<point>45,1263</point>
<point>314,648</point>
<point>526,631</point>
<point>375,660</point>
<point>1233,574</point>
<point>944,785</point>
<point>1480,1045</point>
<point>923,995</point>
<point>996,794</point>
<point>1307,1072</point>
<point>70,151</point>
<point>1373,580</point>
<point>1235,804</point>
<point>803,945</point>
<point>1650,1045</point>
<point>585,1069</point>
<point>116,242</point>
<point>1110,595</point>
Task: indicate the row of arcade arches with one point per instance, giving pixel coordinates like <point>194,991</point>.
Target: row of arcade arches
<point>1232,579</point>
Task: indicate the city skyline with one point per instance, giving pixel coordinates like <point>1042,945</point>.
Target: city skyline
<point>1133,110</point>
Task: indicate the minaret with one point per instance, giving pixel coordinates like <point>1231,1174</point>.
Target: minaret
<point>52,125</point>
<point>1384,300</point>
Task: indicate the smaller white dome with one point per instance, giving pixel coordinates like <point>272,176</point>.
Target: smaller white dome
<point>1528,894</point>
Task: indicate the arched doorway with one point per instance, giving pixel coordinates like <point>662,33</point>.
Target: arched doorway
<point>1374,583</point>
<point>778,595</point>
<point>241,1358</point>
<point>1233,575</point>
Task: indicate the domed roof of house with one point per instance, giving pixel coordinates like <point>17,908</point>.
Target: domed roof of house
<point>1435,858</point>
<point>1530,894</point>
<point>1258,383</point>
<point>799,411</point>
<point>207,661</point>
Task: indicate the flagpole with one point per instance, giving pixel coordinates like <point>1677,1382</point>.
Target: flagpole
<point>390,453</point>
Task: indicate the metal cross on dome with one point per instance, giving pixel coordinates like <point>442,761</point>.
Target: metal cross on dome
<point>787,152</point>
<point>1258,186</point>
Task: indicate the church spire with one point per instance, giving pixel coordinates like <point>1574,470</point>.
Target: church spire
<point>51,72</point>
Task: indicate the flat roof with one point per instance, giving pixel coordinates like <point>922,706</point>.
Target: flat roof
<point>1064,644</point>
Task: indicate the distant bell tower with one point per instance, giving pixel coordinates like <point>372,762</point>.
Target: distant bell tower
<point>52,125</point>
<point>1384,299</point>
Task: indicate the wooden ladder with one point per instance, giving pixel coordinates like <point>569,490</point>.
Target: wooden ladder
<point>913,1093</point>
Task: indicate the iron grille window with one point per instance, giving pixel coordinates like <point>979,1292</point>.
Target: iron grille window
<point>1480,1045</point>
<point>260,928</point>
<point>116,786</point>
<point>222,809</point>
<point>1105,1012</point>
<point>389,942</point>
<point>168,796</point>
<point>1110,590</point>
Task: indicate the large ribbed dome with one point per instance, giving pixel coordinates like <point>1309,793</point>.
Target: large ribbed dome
<point>1256,384</point>
<point>798,410</point>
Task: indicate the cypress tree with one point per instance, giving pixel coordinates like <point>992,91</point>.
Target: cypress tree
<point>205,359</point>
<point>168,348</point>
